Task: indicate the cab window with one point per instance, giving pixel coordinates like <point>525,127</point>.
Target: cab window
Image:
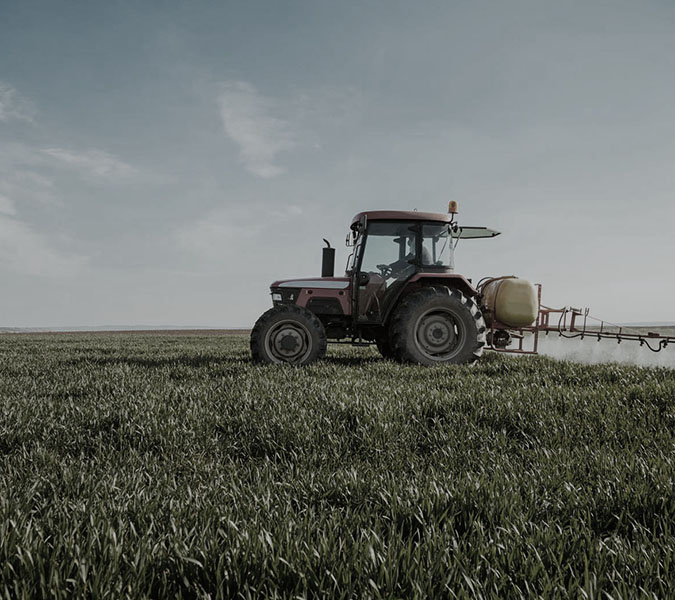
<point>437,246</point>
<point>390,249</point>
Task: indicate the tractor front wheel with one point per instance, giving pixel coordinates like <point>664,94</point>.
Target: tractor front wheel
<point>288,334</point>
<point>438,325</point>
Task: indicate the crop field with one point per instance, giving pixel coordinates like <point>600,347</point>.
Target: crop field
<point>170,466</point>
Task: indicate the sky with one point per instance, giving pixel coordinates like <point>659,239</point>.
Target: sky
<point>161,163</point>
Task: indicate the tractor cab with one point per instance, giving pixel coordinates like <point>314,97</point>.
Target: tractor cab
<point>393,249</point>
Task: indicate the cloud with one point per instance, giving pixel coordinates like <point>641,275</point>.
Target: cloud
<point>95,162</point>
<point>13,106</point>
<point>27,252</point>
<point>19,179</point>
<point>229,231</point>
<point>249,120</point>
<point>6,206</point>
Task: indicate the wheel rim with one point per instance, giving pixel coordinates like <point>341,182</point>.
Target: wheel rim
<point>439,334</point>
<point>288,342</point>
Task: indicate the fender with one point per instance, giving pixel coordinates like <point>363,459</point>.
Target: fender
<point>419,280</point>
<point>447,279</point>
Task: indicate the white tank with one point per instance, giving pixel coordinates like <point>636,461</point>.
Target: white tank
<point>511,301</point>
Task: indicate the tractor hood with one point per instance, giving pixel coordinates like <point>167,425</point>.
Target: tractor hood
<point>317,283</point>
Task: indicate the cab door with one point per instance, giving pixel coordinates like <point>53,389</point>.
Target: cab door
<point>387,261</point>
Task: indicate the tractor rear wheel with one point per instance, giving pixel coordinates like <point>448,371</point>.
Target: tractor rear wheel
<point>438,325</point>
<point>288,334</point>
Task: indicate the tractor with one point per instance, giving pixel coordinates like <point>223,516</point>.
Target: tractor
<point>399,292</point>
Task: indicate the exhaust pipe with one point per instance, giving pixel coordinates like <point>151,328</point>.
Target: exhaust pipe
<point>328,260</point>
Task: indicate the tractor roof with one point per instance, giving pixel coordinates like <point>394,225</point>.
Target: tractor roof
<point>402,215</point>
<point>412,215</point>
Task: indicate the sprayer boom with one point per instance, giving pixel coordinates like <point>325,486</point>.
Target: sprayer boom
<point>600,329</point>
<point>570,323</point>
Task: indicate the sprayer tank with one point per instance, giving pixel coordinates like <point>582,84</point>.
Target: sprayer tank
<point>511,301</point>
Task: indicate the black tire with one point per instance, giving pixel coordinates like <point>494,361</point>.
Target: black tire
<point>288,334</point>
<point>384,346</point>
<point>436,326</point>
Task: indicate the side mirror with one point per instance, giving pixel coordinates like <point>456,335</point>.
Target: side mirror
<point>364,278</point>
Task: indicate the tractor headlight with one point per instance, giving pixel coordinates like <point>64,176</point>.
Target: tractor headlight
<point>276,297</point>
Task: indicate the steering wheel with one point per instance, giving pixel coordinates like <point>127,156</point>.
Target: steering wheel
<point>385,270</point>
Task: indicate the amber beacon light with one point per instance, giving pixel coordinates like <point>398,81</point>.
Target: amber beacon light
<point>453,209</point>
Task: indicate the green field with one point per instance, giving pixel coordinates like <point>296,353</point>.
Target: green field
<point>170,466</point>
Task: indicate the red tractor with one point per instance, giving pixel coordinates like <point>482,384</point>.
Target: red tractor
<point>400,292</point>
